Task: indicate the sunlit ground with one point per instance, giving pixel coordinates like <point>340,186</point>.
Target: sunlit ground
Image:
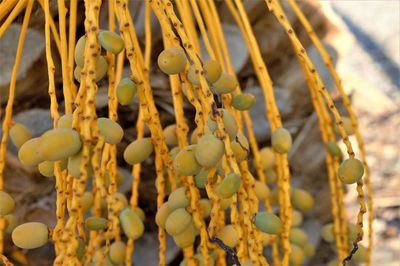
<point>371,72</point>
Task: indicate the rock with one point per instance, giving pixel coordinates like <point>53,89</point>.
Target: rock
<point>146,250</point>
<point>33,64</point>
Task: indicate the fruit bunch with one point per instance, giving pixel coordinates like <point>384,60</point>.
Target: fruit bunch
<point>209,193</point>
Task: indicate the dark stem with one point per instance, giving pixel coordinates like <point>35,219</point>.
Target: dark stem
<point>348,258</point>
<point>228,249</point>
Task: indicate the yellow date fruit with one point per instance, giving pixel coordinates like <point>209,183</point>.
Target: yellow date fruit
<point>19,134</point>
<point>111,41</point>
<point>58,144</point>
<point>110,130</point>
<point>281,140</point>
<point>30,235</point>
<point>138,151</point>
<point>268,223</point>
<point>131,223</point>
<point>172,60</point>
<point>177,221</point>
<point>185,162</point>
<point>7,203</point>
<point>350,171</point>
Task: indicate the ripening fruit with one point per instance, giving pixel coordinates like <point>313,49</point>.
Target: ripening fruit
<point>192,75</point>
<point>172,60</point>
<point>111,41</point>
<point>28,153</point>
<point>101,69</point>
<point>96,223</point>
<point>46,168</point>
<point>209,150</point>
<point>65,121</point>
<point>122,202</point>
<point>229,122</point>
<point>178,221</point>
<point>225,84</point>
<point>297,218</point>
<point>267,157</point>
<point>58,144</point>
<point>30,235</point>
<point>117,252</point>
<point>77,73</point>
<point>139,211</point>
<point>309,250</point>
<point>281,140</point>
<point>173,152</point>
<point>229,186</point>
<point>270,176</point>
<point>80,51</point>
<point>110,130</point>
<point>74,163</point>
<point>170,136</point>
<point>327,233</point>
<point>361,254</point>
<point>333,148</point>
<point>80,250</point>
<point>205,207</point>
<point>11,221</point>
<point>7,203</point>
<point>298,236</point>
<point>162,214</point>
<point>351,232</point>
<point>212,69</point>
<point>186,238</point>
<point>131,223</point>
<point>302,200</point>
<point>19,134</point>
<point>178,199</point>
<point>348,127</point>
<point>261,190</point>
<point>296,257</point>
<point>351,170</point>
<point>228,235</point>
<point>268,223</point>
<point>240,147</point>
<point>201,178</point>
<point>138,151</point>
<point>87,201</point>
<point>243,101</point>
<point>126,89</point>
<point>185,162</point>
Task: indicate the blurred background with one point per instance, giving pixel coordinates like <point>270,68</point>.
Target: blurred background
<point>370,71</point>
<point>363,38</point>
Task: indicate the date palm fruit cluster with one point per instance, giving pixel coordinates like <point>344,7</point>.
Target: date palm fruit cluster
<point>208,192</point>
